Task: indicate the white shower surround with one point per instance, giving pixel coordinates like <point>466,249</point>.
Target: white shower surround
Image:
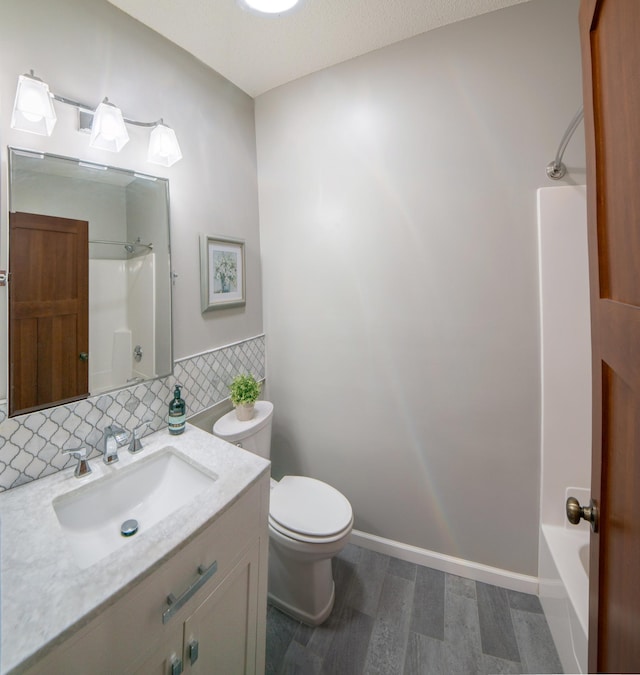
<point>108,314</point>
<point>121,315</point>
<point>141,306</point>
<point>566,417</point>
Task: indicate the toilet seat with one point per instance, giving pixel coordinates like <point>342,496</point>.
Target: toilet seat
<point>308,510</point>
<point>301,538</point>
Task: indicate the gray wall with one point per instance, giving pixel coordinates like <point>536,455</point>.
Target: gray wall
<point>398,230</point>
<point>88,49</point>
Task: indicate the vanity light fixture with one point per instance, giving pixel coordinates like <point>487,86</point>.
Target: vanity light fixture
<point>108,131</point>
<point>163,146</point>
<point>33,111</point>
<point>271,6</point>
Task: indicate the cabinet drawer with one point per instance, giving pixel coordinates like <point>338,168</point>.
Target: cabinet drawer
<point>125,633</point>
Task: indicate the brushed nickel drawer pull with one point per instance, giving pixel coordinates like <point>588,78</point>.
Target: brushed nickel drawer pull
<point>176,604</point>
<point>193,651</point>
<point>176,665</point>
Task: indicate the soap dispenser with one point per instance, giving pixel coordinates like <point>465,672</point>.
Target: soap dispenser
<point>177,412</point>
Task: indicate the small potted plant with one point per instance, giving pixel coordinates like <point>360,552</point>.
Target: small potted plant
<point>244,392</point>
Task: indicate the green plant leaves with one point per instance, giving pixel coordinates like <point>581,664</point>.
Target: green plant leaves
<point>244,389</point>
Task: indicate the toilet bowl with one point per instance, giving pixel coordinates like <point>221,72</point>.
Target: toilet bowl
<point>309,523</point>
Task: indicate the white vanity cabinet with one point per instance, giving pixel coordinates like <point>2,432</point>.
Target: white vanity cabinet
<point>221,635</point>
<point>216,622</point>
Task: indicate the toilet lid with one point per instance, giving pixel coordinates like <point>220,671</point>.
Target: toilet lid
<point>309,507</point>
<point>231,429</point>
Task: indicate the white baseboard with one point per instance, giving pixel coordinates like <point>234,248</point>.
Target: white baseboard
<point>446,563</point>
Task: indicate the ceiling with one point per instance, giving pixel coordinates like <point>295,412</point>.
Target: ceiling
<point>258,53</point>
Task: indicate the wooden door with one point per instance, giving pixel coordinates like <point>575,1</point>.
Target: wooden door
<point>48,311</point>
<point>610,35</point>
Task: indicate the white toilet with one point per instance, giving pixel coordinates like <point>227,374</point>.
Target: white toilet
<point>309,523</point>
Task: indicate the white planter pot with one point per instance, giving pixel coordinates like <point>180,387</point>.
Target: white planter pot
<point>244,411</point>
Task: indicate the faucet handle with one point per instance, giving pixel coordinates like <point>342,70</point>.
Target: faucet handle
<point>81,454</point>
<point>135,445</point>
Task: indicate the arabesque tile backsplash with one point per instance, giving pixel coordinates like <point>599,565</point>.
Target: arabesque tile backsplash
<point>30,444</point>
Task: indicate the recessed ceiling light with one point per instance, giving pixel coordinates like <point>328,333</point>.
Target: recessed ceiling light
<point>271,6</point>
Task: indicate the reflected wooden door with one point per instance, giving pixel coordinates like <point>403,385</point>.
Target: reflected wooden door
<point>48,311</point>
<point>610,35</point>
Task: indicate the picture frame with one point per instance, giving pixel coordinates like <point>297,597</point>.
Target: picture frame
<point>222,272</point>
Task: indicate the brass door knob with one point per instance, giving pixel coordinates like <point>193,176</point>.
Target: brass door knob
<point>575,513</point>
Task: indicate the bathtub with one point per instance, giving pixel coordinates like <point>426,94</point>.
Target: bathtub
<point>564,591</point>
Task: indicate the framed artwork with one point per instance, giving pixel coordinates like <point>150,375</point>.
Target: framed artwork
<point>222,281</point>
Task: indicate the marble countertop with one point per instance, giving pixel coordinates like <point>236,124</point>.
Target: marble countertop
<point>45,596</point>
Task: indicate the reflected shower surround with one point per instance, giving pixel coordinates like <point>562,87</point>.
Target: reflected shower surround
<point>33,112</point>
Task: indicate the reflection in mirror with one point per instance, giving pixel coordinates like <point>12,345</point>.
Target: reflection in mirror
<point>64,213</point>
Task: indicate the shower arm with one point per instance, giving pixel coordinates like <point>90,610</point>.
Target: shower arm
<point>556,169</point>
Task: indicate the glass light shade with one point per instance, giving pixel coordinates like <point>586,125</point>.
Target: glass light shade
<point>163,146</point>
<point>108,131</point>
<point>271,6</point>
<point>33,108</point>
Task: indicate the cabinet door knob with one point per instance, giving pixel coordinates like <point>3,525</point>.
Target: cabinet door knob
<point>193,651</point>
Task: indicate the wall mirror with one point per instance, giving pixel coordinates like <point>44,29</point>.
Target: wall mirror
<point>90,284</point>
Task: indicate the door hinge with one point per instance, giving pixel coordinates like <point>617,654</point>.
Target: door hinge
<point>4,277</point>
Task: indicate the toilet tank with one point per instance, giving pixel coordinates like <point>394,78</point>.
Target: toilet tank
<point>253,435</point>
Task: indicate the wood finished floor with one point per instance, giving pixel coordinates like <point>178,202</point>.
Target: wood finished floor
<point>393,617</point>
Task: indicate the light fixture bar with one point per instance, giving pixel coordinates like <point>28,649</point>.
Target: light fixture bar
<point>142,124</point>
<point>70,101</point>
<point>88,110</point>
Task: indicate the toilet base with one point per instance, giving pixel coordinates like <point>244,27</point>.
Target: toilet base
<point>299,614</point>
<point>300,585</point>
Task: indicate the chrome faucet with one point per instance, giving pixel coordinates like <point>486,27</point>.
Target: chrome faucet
<point>114,438</point>
<point>82,468</point>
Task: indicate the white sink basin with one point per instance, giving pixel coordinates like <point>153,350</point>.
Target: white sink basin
<point>147,491</point>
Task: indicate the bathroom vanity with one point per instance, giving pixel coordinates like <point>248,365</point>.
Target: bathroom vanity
<point>185,594</point>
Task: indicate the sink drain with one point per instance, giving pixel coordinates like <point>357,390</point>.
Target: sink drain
<point>129,527</point>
